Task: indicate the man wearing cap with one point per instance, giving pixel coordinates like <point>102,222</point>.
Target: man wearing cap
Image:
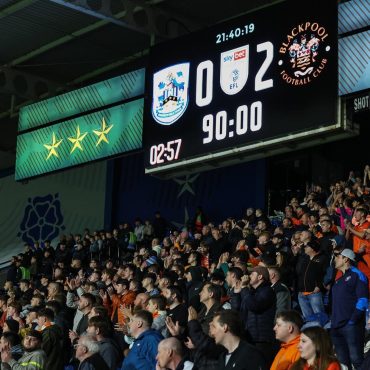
<point>258,308</point>
<point>350,301</point>
<point>33,358</point>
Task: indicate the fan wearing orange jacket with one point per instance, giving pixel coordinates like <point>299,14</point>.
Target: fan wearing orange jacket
<point>287,330</point>
<point>123,297</point>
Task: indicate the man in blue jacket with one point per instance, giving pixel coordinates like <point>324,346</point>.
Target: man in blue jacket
<point>350,301</point>
<point>142,355</point>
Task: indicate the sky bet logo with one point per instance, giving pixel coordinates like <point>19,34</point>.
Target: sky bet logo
<point>237,55</point>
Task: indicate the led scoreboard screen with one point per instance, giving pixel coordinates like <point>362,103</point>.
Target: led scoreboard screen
<point>262,76</point>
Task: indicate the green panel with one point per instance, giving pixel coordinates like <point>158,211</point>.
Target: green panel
<point>55,147</point>
<point>82,100</point>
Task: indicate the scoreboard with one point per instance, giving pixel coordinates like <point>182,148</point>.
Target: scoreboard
<point>264,75</point>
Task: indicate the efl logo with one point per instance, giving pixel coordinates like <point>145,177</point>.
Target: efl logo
<point>240,54</point>
<point>234,73</point>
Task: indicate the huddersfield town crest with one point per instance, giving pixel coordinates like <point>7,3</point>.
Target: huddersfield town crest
<point>234,69</point>
<point>170,93</point>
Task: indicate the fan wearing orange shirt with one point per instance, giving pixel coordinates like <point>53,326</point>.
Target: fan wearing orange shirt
<point>122,297</point>
<point>287,330</point>
<point>360,244</point>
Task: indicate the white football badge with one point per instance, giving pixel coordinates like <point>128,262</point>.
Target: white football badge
<point>234,69</point>
<point>170,93</point>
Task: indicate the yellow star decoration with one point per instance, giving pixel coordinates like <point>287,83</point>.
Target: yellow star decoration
<point>52,147</point>
<point>76,141</point>
<point>104,131</point>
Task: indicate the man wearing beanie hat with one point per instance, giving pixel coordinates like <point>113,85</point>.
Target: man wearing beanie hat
<point>310,271</point>
<point>33,358</point>
<point>11,326</point>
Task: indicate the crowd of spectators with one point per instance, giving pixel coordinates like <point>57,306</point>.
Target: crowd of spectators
<point>288,292</point>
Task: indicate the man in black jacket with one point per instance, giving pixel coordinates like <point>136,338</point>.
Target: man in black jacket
<point>310,270</point>
<point>52,339</point>
<point>210,297</point>
<point>226,329</point>
<point>325,237</point>
<point>194,284</point>
<point>26,292</point>
<point>218,246</point>
<point>257,304</point>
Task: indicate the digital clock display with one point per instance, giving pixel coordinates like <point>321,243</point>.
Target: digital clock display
<point>248,80</point>
<point>236,32</point>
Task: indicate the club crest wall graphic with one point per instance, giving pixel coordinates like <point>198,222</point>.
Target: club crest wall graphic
<point>42,220</point>
<point>170,93</point>
<point>305,53</point>
<point>234,69</point>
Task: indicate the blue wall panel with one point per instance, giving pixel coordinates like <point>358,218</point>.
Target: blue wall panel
<point>353,15</point>
<point>221,193</point>
<point>354,63</point>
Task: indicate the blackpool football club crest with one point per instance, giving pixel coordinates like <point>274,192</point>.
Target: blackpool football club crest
<point>170,93</point>
<point>234,69</point>
<point>305,53</point>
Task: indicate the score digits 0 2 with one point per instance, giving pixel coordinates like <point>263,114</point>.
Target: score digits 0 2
<point>234,72</point>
